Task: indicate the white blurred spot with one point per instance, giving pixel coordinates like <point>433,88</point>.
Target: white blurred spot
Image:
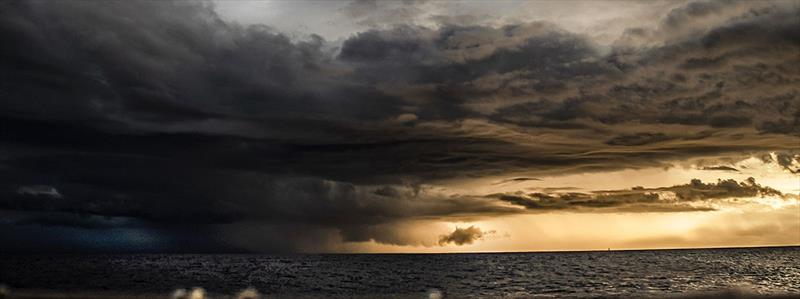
<point>197,293</point>
<point>435,294</point>
<point>249,293</point>
<point>179,294</point>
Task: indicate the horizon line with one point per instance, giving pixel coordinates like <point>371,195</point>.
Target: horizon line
<point>797,245</point>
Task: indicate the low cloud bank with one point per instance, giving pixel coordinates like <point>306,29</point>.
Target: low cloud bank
<point>676,198</point>
<point>464,236</point>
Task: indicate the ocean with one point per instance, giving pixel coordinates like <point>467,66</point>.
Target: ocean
<point>619,274</point>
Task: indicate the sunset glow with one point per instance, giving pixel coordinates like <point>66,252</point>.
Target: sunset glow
<point>398,126</point>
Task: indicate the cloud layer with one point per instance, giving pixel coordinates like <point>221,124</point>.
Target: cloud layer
<point>694,196</point>
<point>164,113</point>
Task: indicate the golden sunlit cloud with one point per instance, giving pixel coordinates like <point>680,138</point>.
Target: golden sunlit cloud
<point>625,214</point>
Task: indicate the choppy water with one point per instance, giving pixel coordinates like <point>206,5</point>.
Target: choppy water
<point>567,274</point>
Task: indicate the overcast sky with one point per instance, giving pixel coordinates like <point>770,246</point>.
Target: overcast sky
<point>398,126</point>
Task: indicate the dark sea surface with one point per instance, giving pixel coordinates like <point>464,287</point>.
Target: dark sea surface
<point>622,274</point>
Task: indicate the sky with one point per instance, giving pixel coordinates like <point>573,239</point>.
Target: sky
<point>398,126</point>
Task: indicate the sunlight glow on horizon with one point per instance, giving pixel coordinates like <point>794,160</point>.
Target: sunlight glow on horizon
<point>770,216</point>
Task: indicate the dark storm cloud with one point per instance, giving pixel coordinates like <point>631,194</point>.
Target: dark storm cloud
<point>165,63</point>
<point>164,113</point>
<point>450,67</point>
<point>203,196</point>
<point>215,79</point>
<point>664,199</point>
<point>84,221</point>
<point>464,236</point>
<point>750,53</point>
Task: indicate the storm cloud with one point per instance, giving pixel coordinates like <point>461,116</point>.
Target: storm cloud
<point>164,115</point>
